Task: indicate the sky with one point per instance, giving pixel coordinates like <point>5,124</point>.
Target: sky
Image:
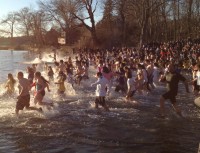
<point>7,6</point>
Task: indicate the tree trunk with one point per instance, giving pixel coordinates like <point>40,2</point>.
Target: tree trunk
<point>144,22</point>
<point>189,16</point>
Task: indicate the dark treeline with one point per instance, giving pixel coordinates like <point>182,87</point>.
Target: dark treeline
<point>123,22</point>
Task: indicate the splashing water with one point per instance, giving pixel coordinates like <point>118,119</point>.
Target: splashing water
<point>73,125</point>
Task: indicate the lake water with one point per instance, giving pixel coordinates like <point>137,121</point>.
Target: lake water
<point>74,126</point>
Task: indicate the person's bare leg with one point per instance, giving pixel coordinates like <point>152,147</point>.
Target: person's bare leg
<point>177,109</point>
<point>96,103</point>
<point>106,108</point>
<point>127,98</point>
<point>162,106</point>
<point>17,112</point>
<point>105,105</point>
<point>96,106</point>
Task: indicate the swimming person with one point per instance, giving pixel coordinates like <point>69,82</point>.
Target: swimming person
<point>172,78</point>
<point>24,95</point>
<point>10,84</point>
<point>101,84</point>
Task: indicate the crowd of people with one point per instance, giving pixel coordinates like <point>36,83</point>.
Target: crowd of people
<point>127,71</point>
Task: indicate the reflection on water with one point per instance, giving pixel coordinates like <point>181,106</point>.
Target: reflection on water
<point>9,62</point>
<point>75,126</point>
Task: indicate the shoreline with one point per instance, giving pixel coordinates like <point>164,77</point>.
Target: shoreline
<point>42,49</point>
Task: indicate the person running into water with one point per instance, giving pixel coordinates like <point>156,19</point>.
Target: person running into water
<point>61,83</point>
<point>101,84</point>
<point>121,81</point>
<point>172,78</point>
<point>40,85</point>
<point>30,74</point>
<point>106,72</point>
<point>130,85</point>
<point>34,67</point>
<point>46,67</point>
<point>69,78</point>
<point>24,95</point>
<point>50,73</point>
<point>196,79</point>
<point>79,73</point>
<point>10,84</point>
<point>62,66</point>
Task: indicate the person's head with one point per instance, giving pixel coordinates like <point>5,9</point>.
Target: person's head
<point>126,68</point>
<point>128,74</point>
<point>56,63</point>
<point>105,69</point>
<point>156,65</point>
<point>20,75</point>
<point>37,75</point>
<point>99,74</point>
<point>60,73</point>
<point>10,76</point>
<point>49,68</point>
<point>28,67</point>
<point>101,62</point>
<point>171,68</point>
<point>139,66</point>
<point>29,70</point>
<point>198,66</point>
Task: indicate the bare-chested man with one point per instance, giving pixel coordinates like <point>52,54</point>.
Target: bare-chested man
<point>24,95</point>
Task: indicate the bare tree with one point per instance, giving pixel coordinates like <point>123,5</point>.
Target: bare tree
<point>9,22</point>
<point>121,6</point>
<point>189,15</point>
<point>38,26</point>
<point>61,12</point>
<point>88,7</point>
<point>23,18</point>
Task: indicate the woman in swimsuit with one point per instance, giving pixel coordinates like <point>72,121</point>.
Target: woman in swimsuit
<point>10,84</point>
<point>40,85</point>
<point>61,83</point>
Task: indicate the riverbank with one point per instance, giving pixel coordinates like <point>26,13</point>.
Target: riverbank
<point>45,49</point>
